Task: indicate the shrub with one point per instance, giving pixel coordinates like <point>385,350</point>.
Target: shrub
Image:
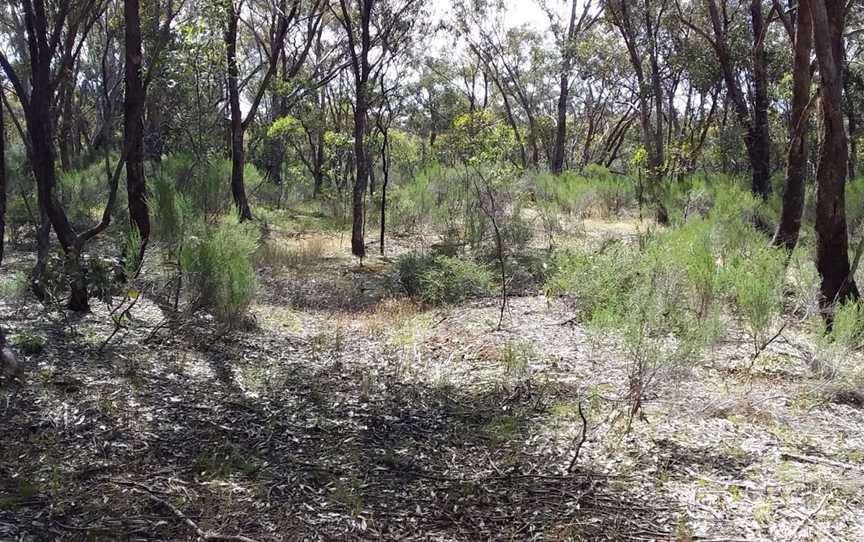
<point>170,210</point>
<point>84,191</point>
<point>753,279</point>
<point>837,344</point>
<point>14,285</point>
<point>592,278</point>
<point>440,280</point>
<point>219,270</point>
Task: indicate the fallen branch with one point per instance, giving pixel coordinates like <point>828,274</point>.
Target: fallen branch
<point>582,438</point>
<point>820,461</point>
<point>203,535</point>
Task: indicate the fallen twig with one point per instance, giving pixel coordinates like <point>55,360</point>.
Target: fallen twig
<point>808,517</point>
<point>819,461</point>
<point>583,436</point>
<point>203,535</point>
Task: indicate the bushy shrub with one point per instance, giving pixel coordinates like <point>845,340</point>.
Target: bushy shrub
<point>593,278</point>
<point>219,271</point>
<point>170,210</point>
<point>753,279</point>
<point>84,191</point>
<point>835,345</point>
<point>441,280</point>
<point>20,216</point>
<point>14,285</point>
<point>594,192</point>
<point>203,180</point>
<point>855,203</point>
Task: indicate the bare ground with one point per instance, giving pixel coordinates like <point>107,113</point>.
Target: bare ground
<point>346,412</point>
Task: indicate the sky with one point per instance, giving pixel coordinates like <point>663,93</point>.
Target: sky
<point>519,12</point>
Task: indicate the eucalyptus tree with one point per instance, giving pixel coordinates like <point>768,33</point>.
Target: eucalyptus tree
<point>832,239</point>
<point>750,109</point>
<point>54,40</point>
<point>566,38</point>
<point>275,21</point>
<point>134,105</point>
<point>512,58</point>
<point>3,176</point>
<point>374,31</point>
<point>788,228</point>
<point>639,26</point>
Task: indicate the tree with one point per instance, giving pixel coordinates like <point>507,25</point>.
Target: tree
<point>133,125</point>
<point>786,235</point>
<point>757,137</point>
<point>620,12</point>
<point>3,178</point>
<point>373,30</point>
<point>52,48</point>
<point>280,19</point>
<point>832,241</point>
<point>566,45</point>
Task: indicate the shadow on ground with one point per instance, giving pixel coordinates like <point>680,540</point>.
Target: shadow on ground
<point>93,447</point>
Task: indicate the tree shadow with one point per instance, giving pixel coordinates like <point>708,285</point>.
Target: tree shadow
<point>317,454</point>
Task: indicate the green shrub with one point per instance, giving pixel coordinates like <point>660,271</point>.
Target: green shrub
<point>441,280</point>
<point>14,285</point>
<point>845,337</point>
<point>219,270</point>
<point>84,191</point>
<point>593,278</point>
<point>170,210</point>
<point>753,278</point>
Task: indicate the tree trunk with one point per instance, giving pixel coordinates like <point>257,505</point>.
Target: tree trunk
<point>3,181</point>
<point>761,138</point>
<point>756,137</point>
<point>561,128</point>
<point>832,252</point>
<point>852,116</point>
<point>358,247</point>
<point>318,159</point>
<point>133,128</point>
<point>238,152</point>
<point>786,235</point>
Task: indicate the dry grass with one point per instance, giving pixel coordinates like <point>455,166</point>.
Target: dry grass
<point>277,254</point>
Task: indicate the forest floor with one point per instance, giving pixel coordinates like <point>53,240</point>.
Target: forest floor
<point>345,411</point>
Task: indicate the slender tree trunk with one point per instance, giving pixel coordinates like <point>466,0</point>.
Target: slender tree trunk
<point>66,122</point>
<point>656,90</point>
<point>3,181</point>
<point>756,136</point>
<point>44,162</point>
<point>786,235</point>
<point>358,247</point>
<point>561,128</point>
<point>564,93</point>
<point>761,154</point>
<point>832,250</point>
<point>133,127</point>
<point>852,116</point>
<point>238,151</point>
<point>318,158</point>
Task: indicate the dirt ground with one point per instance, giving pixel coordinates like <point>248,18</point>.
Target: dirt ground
<point>345,411</point>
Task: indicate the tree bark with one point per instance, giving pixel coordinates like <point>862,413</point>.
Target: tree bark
<point>133,127</point>
<point>756,136</point>
<point>832,249</point>
<point>789,227</point>
<point>761,154</point>
<point>3,181</point>
<point>563,96</point>
<point>238,151</point>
